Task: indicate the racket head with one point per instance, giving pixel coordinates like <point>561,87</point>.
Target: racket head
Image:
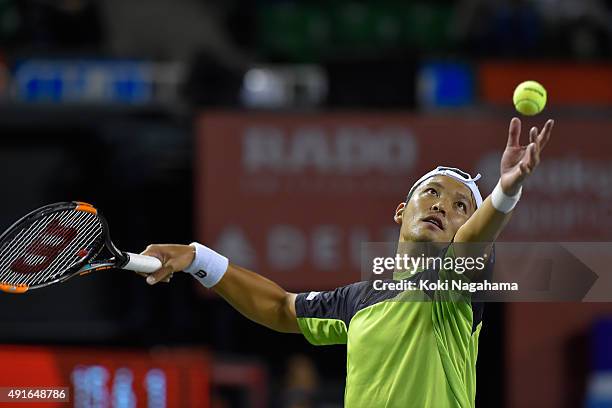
<point>50,244</point>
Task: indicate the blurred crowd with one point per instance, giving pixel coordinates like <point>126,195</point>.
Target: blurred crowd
<point>236,31</point>
<point>109,74</point>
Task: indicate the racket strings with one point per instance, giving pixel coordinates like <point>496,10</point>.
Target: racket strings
<point>23,238</point>
<point>40,250</point>
<point>32,278</point>
<point>52,270</point>
<point>49,247</point>
<point>54,234</point>
<point>85,240</point>
<point>16,247</point>
<point>88,233</point>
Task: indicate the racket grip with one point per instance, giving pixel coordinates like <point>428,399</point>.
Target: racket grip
<point>141,263</point>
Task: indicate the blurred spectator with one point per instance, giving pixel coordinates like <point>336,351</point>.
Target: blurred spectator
<point>171,29</point>
<point>498,27</point>
<point>219,402</point>
<point>59,26</point>
<point>10,21</point>
<point>536,28</point>
<point>581,27</point>
<point>302,383</point>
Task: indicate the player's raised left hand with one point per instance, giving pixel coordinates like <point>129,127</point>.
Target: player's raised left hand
<point>519,161</point>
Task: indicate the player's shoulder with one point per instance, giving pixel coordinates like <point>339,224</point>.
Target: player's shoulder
<point>348,294</point>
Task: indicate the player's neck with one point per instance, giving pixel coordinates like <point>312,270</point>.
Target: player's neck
<point>411,257</point>
<point>417,249</point>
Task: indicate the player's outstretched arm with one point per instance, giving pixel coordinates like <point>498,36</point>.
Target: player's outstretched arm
<point>517,163</point>
<point>259,299</point>
<point>256,297</point>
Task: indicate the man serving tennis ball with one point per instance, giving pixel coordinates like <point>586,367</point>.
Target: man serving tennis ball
<point>400,354</point>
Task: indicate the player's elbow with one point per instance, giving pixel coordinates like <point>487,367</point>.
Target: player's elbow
<point>286,318</point>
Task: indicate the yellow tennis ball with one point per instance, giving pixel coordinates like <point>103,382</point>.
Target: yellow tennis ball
<point>529,98</point>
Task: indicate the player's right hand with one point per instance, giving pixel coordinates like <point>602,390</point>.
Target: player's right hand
<point>174,258</point>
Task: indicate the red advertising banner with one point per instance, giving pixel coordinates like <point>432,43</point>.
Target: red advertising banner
<point>567,84</point>
<point>104,378</point>
<point>293,196</point>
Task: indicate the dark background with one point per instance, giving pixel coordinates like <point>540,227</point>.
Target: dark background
<point>134,158</point>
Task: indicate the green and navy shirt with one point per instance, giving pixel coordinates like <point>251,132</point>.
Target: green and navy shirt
<point>404,349</point>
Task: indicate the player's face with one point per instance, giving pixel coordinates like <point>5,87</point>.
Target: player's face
<point>436,210</point>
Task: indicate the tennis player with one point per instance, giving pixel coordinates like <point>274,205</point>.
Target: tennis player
<point>400,354</point>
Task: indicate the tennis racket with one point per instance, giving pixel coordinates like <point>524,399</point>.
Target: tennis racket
<point>58,241</point>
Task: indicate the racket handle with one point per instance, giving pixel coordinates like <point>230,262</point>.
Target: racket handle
<point>141,263</point>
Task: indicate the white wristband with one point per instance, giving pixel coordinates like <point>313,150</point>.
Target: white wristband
<point>502,202</point>
<point>208,267</point>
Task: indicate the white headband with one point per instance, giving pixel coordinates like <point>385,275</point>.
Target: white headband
<point>458,175</point>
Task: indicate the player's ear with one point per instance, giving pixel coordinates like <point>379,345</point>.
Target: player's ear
<point>399,213</point>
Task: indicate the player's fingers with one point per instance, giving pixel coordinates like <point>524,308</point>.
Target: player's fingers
<point>514,132</point>
<point>526,159</point>
<point>146,275</point>
<point>153,250</point>
<point>545,133</point>
<point>533,133</point>
<point>544,136</point>
<point>534,155</point>
<point>159,275</point>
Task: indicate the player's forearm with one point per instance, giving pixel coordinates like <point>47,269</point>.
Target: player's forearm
<point>256,297</point>
<point>259,299</point>
<point>489,220</point>
<point>484,225</point>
